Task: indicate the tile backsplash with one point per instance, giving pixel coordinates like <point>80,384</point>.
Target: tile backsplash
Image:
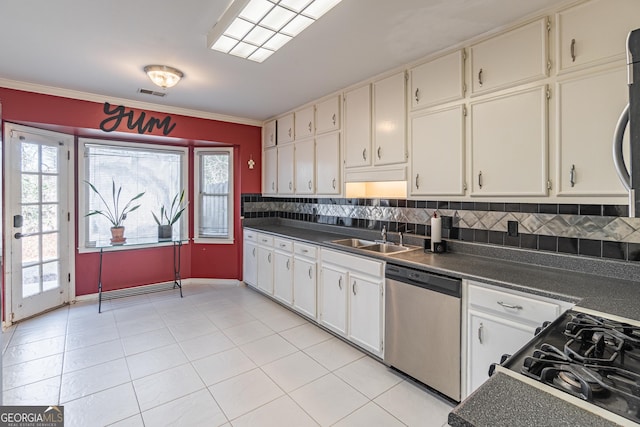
<point>589,230</point>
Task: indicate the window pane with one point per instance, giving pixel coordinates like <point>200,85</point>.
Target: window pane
<point>215,187</point>
<point>214,221</point>
<point>215,173</point>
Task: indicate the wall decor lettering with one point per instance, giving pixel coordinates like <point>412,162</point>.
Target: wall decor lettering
<point>118,113</point>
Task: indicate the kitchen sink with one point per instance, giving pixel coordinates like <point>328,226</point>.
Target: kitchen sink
<point>383,248</point>
<point>354,243</point>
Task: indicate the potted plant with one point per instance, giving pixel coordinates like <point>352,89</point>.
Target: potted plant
<point>170,216</point>
<point>114,213</point>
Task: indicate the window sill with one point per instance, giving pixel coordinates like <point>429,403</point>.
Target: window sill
<point>212,241</point>
<point>106,247</point>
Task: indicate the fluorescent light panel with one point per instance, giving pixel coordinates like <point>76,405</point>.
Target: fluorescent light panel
<point>255,29</point>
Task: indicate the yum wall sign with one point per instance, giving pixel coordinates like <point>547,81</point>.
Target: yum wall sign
<point>119,115</point>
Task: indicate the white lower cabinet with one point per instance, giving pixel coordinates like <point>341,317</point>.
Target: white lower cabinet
<point>501,322</point>
<point>265,263</point>
<point>250,261</point>
<point>283,270</point>
<point>304,279</point>
<point>350,301</point>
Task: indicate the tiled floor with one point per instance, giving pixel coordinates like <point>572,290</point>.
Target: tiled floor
<point>220,356</point>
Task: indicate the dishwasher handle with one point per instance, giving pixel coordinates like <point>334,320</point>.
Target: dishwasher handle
<point>441,284</point>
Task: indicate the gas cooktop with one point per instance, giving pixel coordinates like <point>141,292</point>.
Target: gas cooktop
<point>591,358</point>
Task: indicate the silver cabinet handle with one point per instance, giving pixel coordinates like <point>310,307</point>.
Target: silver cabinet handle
<point>514,307</point>
<point>271,138</point>
<point>333,119</point>
<point>379,152</point>
<point>309,184</point>
<point>309,127</point>
<point>480,179</point>
<point>353,287</point>
<point>417,95</point>
<point>310,271</point>
<point>340,283</point>
<point>273,185</point>
<point>480,82</point>
<point>480,333</point>
<point>573,50</point>
<point>254,251</point>
<point>333,184</point>
<point>282,245</point>
<point>288,264</point>
<point>572,175</point>
<point>269,258</point>
<point>364,154</point>
<point>289,132</point>
<point>304,251</point>
<point>290,185</point>
<point>417,182</point>
<point>264,240</point>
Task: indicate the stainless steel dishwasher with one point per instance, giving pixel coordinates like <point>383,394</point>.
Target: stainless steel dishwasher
<point>422,327</point>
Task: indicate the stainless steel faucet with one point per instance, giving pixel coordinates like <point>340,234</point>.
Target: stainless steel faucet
<point>383,233</point>
<point>400,234</point>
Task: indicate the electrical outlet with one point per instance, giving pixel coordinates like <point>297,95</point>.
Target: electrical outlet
<point>512,228</point>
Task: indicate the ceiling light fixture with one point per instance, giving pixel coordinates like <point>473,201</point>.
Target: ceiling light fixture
<point>255,29</point>
<point>163,75</point>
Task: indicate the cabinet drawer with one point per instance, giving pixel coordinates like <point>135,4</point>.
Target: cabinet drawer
<point>265,239</point>
<point>515,306</point>
<point>354,263</point>
<point>250,235</point>
<point>283,245</point>
<point>305,250</point>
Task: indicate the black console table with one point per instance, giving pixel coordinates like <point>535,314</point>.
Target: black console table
<point>177,279</point>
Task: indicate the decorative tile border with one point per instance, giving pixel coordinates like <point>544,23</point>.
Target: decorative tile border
<point>590,230</point>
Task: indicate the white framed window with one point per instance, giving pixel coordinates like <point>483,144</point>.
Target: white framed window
<point>159,171</point>
<point>214,192</point>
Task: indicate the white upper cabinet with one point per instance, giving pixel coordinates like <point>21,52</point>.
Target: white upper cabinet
<point>285,169</point>
<point>270,168</point>
<point>389,119</point>
<point>269,134</point>
<point>509,144</point>
<point>516,57</point>
<point>437,152</point>
<point>305,167</point>
<point>588,110</point>
<point>328,115</point>
<point>357,127</point>
<point>328,164</point>
<point>285,130</point>
<point>595,32</point>
<point>438,81</point>
<point>304,123</point>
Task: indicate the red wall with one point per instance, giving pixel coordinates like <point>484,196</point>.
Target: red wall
<point>152,265</point>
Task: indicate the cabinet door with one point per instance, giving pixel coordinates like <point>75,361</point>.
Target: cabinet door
<point>269,134</point>
<point>509,145</point>
<point>437,152</point>
<point>328,164</point>
<point>265,269</point>
<point>304,123</point>
<point>365,313</point>
<point>285,169</point>
<point>595,32</point>
<point>283,277</point>
<point>488,339</point>
<point>285,129</point>
<point>589,108</point>
<point>304,286</point>
<point>357,127</point>
<point>389,112</point>
<point>332,298</point>
<point>438,81</point>
<point>270,168</point>
<point>250,263</point>
<point>328,115</point>
<point>513,58</point>
<point>305,167</point>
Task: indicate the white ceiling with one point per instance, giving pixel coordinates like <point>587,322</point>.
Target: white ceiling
<point>101,47</point>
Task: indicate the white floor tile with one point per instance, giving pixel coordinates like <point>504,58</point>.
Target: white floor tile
<point>370,415</point>
<point>192,328</point>
<point>247,332</point>
<point>135,421</point>
<point>268,349</point>
<point>412,405</point>
<point>283,321</point>
<point>91,356</point>
<point>25,336</point>
<point>32,371</point>
<point>206,345</point>
<point>328,399</point>
<point>147,341</point>
<point>294,371</point>
<point>154,361</point>
<point>89,337</point>
<point>135,327</point>
<point>103,408</point>
<point>196,409</point>
<point>305,335</point>
<point>245,392</point>
<point>94,379</point>
<point>278,413</point>
<point>33,350</point>
<point>165,386</point>
<point>228,318</point>
<point>334,353</point>
<point>221,366</point>
<point>369,376</point>
<point>44,392</point>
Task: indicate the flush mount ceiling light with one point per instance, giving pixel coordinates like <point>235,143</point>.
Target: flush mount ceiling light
<point>255,29</point>
<point>164,76</point>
